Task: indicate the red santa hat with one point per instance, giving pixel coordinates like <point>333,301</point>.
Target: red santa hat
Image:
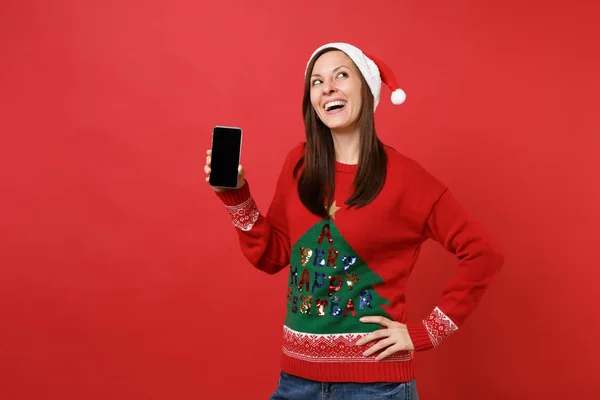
<point>374,70</point>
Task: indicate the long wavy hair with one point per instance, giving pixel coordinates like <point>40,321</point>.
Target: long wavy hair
<point>316,184</point>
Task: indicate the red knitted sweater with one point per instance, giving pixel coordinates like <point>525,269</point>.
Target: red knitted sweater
<point>357,263</point>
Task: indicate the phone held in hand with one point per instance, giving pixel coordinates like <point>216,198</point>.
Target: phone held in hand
<point>225,158</point>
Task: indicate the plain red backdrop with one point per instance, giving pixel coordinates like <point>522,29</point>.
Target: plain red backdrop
<point>121,275</point>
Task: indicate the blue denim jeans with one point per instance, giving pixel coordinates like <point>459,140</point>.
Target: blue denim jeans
<point>294,388</point>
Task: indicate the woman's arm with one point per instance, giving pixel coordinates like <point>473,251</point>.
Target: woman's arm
<point>478,263</point>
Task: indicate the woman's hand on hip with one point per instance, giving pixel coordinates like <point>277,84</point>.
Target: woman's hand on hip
<point>393,339</point>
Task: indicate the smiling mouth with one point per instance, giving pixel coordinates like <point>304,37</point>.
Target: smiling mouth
<point>335,105</point>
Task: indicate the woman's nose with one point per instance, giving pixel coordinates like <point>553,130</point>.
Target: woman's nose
<point>328,88</point>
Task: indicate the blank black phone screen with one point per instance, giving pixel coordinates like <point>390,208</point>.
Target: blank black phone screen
<point>225,159</point>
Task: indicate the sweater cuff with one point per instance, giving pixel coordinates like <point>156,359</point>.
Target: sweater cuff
<point>419,336</point>
<point>436,328</point>
<point>241,207</point>
<point>235,197</point>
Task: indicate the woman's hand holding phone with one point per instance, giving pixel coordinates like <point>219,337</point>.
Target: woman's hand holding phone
<point>241,174</point>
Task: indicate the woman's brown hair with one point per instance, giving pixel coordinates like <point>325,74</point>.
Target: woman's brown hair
<point>316,184</point>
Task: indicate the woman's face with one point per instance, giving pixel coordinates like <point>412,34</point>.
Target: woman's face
<point>335,91</point>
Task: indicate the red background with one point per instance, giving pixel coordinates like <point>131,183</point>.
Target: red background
<point>121,275</point>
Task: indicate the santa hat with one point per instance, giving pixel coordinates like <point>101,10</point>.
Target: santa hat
<point>373,70</point>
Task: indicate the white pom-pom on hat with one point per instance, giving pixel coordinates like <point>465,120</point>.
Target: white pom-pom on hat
<point>373,70</point>
<point>398,96</point>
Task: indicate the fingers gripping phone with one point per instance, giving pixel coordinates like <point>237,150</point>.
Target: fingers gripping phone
<point>225,158</point>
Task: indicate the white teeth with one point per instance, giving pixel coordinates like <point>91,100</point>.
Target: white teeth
<point>329,105</point>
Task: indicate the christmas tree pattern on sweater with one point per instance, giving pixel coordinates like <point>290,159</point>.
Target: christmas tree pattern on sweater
<point>329,289</point>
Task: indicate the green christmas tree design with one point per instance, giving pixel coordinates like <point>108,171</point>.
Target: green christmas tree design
<point>329,286</point>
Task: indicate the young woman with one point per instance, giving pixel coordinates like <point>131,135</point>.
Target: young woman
<point>348,217</point>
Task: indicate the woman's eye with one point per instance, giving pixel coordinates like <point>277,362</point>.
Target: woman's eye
<point>316,81</point>
<point>342,74</point>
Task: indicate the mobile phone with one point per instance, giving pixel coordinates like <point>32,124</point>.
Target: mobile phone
<point>225,159</point>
